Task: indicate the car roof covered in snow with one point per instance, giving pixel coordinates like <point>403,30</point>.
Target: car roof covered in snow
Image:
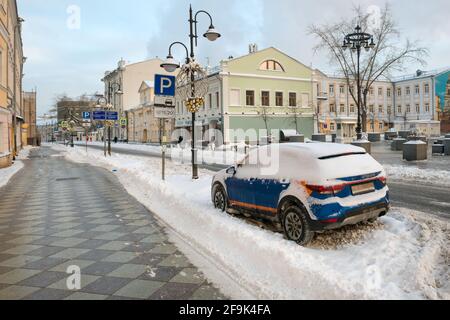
<point>321,149</point>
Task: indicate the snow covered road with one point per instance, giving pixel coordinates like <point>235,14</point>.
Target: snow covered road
<point>404,256</point>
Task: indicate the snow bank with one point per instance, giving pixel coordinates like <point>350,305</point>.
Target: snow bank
<point>404,256</point>
<point>410,173</point>
<point>7,173</point>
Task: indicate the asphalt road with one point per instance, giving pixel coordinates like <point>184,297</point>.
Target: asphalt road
<point>416,196</point>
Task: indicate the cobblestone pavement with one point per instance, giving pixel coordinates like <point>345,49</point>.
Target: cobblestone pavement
<point>55,214</point>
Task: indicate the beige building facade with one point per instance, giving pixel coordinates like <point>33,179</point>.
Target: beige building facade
<point>143,127</point>
<point>11,74</point>
<point>406,103</point>
<point>129,76</point>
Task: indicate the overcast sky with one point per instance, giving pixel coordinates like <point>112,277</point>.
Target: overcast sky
<point>70,55</point>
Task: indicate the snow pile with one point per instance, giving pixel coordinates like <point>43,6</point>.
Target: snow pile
<point>25,152</point>
<point>7,173</point>
<point>409,173</point>
<point>404,256</point>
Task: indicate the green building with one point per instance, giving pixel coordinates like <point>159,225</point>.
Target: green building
<point>263,90</point>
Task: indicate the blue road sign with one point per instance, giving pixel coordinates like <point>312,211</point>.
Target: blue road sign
<point>86,115</point>
<point>112,116</point>
<point>99,115</point>
<point>165,85</point>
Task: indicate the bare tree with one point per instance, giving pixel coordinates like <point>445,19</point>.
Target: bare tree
<point>264,113</point>
<point>389,55</point>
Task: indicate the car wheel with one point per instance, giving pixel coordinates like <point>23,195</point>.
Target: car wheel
<point>220,198</point>
<point>296,226</point>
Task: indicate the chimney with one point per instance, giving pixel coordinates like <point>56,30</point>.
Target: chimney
<point>252,48</point>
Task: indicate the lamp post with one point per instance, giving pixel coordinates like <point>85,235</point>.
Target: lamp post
<point>357,41</point>
<point>113,88</point>
<point>171,66</point>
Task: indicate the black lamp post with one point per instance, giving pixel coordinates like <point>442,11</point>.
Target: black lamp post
<point>171,66</point>
<point>356,41</point>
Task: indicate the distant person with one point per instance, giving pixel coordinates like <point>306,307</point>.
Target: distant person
<point>116,139</point>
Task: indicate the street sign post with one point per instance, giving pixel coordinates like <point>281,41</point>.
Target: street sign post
<point>164,108</point>
<point>99,115</point>
<point>165,85</point>
<point>86,116</point>
<point>164,113</point>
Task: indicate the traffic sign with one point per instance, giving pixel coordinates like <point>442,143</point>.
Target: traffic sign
<point>165,85</point>
<point>164,101</point>
<point>86,115</point>
<point>99,115</point>
<point>112,115</point>
<point>164,113</point>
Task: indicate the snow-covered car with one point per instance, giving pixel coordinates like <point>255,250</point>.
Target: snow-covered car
<point>304,187</point>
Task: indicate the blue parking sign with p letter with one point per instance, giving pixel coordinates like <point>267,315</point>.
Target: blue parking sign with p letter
<point>165,85</point>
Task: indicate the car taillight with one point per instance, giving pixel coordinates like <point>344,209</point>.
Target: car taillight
<point>383,180</point>
<point>331,190</point>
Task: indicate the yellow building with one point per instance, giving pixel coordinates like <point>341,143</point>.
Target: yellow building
<point>11,73</point>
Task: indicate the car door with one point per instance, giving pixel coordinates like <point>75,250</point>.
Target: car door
<point>240,188</point>
<point>267,194</point>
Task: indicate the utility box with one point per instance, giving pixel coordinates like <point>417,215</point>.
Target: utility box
<point>397,144</point>
<point>366,145</point>
<point>447,146</point>
<point>319,137</point>
<point>415,150</point>
<point>374,137</point>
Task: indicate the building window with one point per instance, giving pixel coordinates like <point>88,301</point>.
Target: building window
<point>427,107</point>
<point>417,108</point>
<point>279,99</point>
<point>331,90</point>
<point>332,126</point>
<point>380,92</point>
<point>427,88</point>
<point>210,100</point>
<point>352,108</point>
<point>332,108</point>
<point>408,91</point>
<point>408,108</point>
<point>271,65</point>
<point>389,109</point>
<point>265,98</point>
<point>399,92</point>
<point>250,100</point>
<point>399,109</point>
<point>417,90</point>
<point>342,108</point>
<point>217,100</point>
<point>341,89</point>
<point>380,125</point>
<point>388,92</point>
<point>371,91</point>
<point>292,99</point>
<point>371,108</point>
<point>235,97</point>
<point>380,109</point>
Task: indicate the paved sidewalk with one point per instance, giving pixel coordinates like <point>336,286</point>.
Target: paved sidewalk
<point>55,214</point>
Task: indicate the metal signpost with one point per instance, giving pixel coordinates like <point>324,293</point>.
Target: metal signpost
<point>164,108</point>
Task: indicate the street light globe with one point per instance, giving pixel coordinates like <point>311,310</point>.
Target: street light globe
<point>212,34</point>
<point>170,65</point>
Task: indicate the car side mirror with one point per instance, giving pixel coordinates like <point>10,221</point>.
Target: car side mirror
<point>231,171</point>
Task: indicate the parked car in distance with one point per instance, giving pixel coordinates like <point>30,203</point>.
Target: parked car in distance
<point>305,187</point>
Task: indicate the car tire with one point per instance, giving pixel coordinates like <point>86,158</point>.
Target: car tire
<point>220,199</point>
<point>296,226</point>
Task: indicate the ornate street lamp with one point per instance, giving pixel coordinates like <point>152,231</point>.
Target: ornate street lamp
<point>357,41</point>
<point>170,65</point>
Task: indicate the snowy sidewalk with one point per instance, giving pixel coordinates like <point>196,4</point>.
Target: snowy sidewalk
<point>404,256</point>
